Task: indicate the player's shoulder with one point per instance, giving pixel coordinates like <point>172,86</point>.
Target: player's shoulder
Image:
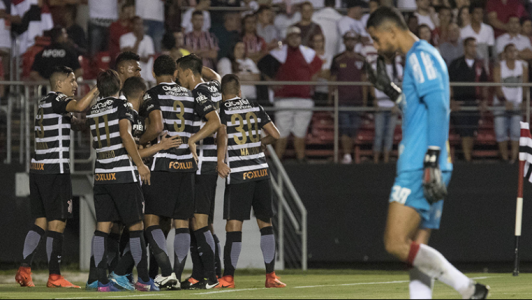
<point>55,96</point>
<point>239,104</point>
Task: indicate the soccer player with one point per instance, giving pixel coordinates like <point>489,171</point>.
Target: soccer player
<point>171,107</point>
<point>424,166</point>
<point>117,192</point>
<point>190,73</point>
<point>128,65</point>
<point>248,177</point>
<point>50,184</point>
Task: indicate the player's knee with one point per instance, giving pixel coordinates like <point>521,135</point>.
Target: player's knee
<point>200,221</point>
<point>264,222</point>
<point>233,225</point>
<point>104,227</point>
<point>392,245</point>
<point>57,226</point>
<point>136,227</point>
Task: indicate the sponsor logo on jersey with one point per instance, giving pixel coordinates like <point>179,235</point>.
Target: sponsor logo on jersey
<point>249,151</point>
<point>201,98</point>
<point>37,166</point>
<point>181,165</point>
<point>105,177</point>
<point>255,174</point>
<point>106,155</point>
<point>54,53</point>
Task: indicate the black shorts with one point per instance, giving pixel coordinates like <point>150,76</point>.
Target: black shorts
<point>239,198</point>
<point>171,195</point>
<point>51,196</point>
<point>204,194</point>
<point>119,202</point>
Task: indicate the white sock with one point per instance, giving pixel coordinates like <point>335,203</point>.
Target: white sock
<point>431,262</point>
<point>420,285</point>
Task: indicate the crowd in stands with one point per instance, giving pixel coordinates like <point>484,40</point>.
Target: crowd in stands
<point>291,40</point>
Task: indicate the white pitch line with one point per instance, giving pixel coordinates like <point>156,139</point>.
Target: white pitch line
<point>124,295</point>
<point>228,291</point>
<point>350,284</point>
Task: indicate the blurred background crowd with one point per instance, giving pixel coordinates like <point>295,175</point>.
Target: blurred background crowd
<point>294,40</point>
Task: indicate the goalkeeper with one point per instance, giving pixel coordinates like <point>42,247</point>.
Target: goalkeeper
<point>424,166</point>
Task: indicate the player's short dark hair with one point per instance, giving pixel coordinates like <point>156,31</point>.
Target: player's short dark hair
<point>164,65</point>
<point>508,46</point>
<point>329,3</point>
<point>386,14</point>
<point>267,7</point>
<point>108,83</point>
<point>55,33</point>
<point>134,87</point>
<point>474,5</point>
<point>192,62</point>
<point>126,56</point>
<point>197,13</point>
<point>168,41</point>
<point>58,71</point>
<point>230,84</point>
<point>469,40</point>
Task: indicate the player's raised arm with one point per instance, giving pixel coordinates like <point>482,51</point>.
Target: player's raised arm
<point>210,74</point>
<point>76,106</point>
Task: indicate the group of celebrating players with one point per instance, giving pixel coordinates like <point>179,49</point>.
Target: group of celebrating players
<point>192,131</point>
<point>159,154</point>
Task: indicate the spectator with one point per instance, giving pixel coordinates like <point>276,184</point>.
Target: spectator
<point>412,23</point>
<point>349,66</point>
<point>256,47</point>
<point>321,93</point>
<point>483,34</point>
<point>286,16</point>
<point>173,45</point>
<point>218,15</point>
<point>237,63</point>
<point>76,35</point>
<point>526,27</point>
<point>228,34</point>
<point>506,121</point>
<point>308,28</point>
<point>202,43</point>
<point>424,33</point>
<point>327,18</point>
<point>203,6</point>
<point>425,14</point>
<point>265,28</point>
<point>513,36</point>
<point>467,68</point>
<point>152,12</point>
<point>464,18</point>
<point>138,42</point>
<point>5,44</point>
<point>29,19</point>
<point>353,21</point>
<point>500,11</point>
<point>119,28</point>
<point>293,62</point>
<point>386,114</point>
<point>441,33</point>
<point>57,54</point>
<point>102,13</point>
<point>454,48</point>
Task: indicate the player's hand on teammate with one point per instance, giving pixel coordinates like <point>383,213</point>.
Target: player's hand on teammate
<point>193,150</point>
<point>170,142</point>
<point>144,173</point>
<point>223,170</point>
<point>434,188</point>
<point>380,80</point>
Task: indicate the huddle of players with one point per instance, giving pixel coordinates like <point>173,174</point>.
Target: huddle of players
<point>195,132</point>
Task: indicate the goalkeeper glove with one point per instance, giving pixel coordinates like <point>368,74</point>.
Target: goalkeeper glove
<point>381,81</point>
<point>434,188</point>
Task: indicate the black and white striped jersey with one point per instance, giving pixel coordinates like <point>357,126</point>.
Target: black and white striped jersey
<point>52,135</point>
<point>182,116</point>
<point>244,120</point>
<point>207,149</point>
<point>113,164</point>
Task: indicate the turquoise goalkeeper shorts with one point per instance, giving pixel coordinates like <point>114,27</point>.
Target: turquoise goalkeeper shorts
<point>408,190</point>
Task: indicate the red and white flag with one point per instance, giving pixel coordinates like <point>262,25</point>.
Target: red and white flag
<point>525,150</point>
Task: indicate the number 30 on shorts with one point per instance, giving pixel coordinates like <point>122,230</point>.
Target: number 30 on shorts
<point>400,194</point>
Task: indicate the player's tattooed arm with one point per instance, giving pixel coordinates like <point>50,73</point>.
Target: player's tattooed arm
<point>83,104</point>
<point>132,151</point>
<point>154,129</point>
<point>210,74</point>
<point>212,125</point>
<point>223,168</point>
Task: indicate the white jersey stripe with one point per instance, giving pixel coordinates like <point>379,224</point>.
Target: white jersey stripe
<point>247,157</point>
<point>249,168</point>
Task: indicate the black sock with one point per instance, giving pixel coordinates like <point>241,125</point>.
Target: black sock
<point>54,250</point>
<point>217,258</point>
<point>93,271</point>
<point>181,247</point>
<point>138,251</point>
<point>124,241</point>
<point>124,264</point>
<point>206,251</point>
<point>267,244</point>
<point>157,241</point>
<point>99,249</point>
<point>113,250</point>
<point>154,266</point>
<point>31,244</point>
<point>233,246</point>
<point>197,265</point>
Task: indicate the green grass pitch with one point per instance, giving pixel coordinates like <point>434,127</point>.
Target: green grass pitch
<point>326,284</point>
